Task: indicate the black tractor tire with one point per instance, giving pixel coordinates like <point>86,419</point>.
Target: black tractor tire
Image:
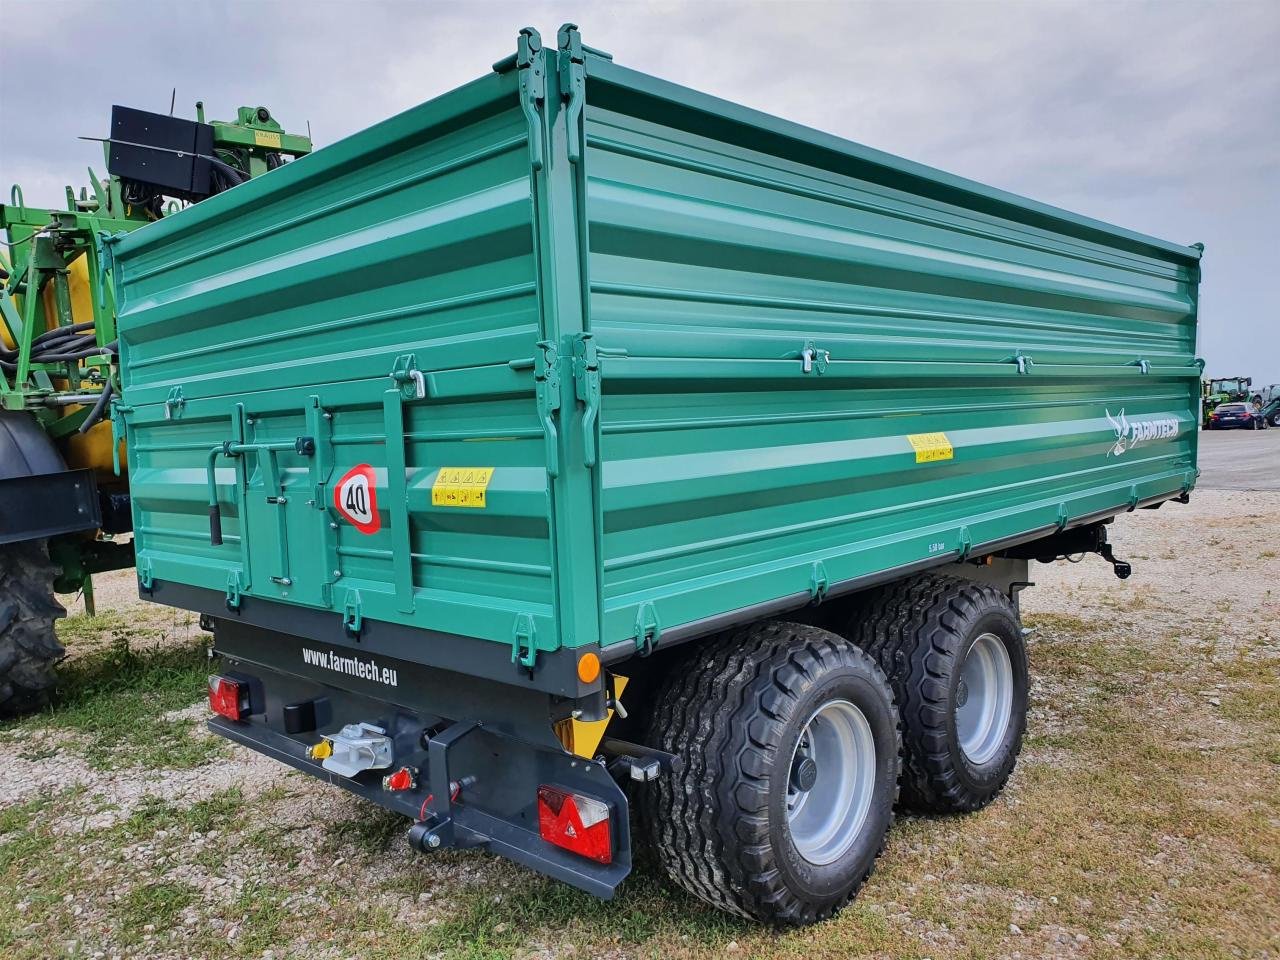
<point>1274,419</point>
<point>920,631</point>
<point>29,648</point>
<point>735,711</point>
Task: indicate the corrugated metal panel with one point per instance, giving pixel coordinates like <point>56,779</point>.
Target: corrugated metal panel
<point>292,298</point>
<point>722,247</point>
<point>723,243</point>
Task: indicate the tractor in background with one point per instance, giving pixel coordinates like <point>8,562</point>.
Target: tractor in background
<point>64,498</point>
<point>1224,390</point>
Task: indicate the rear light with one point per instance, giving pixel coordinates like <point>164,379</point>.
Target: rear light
<point>228,698</point>
<point>576,823</point>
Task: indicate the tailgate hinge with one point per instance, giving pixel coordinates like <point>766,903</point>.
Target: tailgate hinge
<point>118,431</point>
<point>546,381</point>
<point>586,382</point>
<point>234,590</point>
<point>352,619</point>
<point>648,629</point>
<point>819,582</point>
<point>572,85</point>
<point>146,580</point>
<point>524,645</point>
<point>104,243</point>
<point>531,67</point>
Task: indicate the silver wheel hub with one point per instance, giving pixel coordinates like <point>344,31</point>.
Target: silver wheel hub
<point>831,782</point>
<point>984,698</point>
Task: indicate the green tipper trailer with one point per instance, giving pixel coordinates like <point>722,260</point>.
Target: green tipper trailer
<point>573,375</point>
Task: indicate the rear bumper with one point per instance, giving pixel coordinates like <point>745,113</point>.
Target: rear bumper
<point>499,746</point>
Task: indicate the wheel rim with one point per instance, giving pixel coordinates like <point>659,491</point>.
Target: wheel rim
<point>984,698</point>
<point>831,782</point>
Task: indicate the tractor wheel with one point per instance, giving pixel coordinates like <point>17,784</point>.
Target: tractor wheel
<point>953,651</point>
<point>790,748</point>
<point>29,648</point>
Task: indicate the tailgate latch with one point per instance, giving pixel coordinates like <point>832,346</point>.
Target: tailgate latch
<point>412,381</point>
<point>814,359</point>
<point>1022,361</point>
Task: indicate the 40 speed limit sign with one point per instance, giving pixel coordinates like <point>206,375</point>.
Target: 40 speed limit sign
<point>356,498</point>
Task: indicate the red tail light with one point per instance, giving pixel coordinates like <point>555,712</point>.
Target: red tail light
<point>579,824</point>
<point>228,698</point>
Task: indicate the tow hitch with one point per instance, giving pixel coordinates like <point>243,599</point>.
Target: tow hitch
<point>353,749</point>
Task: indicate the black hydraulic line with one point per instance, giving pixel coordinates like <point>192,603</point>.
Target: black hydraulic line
<point>98,409</point>
<point>59,332</point>
<point>82,354</point>
<point>70,352</point>
<point>65,345</point>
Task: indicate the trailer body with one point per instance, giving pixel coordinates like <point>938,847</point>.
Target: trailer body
<point>575,361</point>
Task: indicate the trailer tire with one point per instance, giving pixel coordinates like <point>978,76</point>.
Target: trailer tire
<point>756,715</point>
<point>922,631</point>
<point>29,648</point>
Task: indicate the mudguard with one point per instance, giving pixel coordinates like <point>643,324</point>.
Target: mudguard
<point>39,496</point>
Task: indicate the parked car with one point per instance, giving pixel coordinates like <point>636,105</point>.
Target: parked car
<point>1233,416</point>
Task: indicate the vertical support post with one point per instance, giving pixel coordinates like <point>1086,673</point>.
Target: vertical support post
<point>398,499</point>
<point>559,190</point>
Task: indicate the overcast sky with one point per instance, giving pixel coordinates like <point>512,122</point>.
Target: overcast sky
<point>1161,117</point>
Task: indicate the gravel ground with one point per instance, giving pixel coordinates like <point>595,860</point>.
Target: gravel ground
<point>1143,819</point>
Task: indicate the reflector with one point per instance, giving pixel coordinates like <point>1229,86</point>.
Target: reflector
<point>575,822</point>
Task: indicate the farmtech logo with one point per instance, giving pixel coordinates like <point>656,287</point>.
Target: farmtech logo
<point>1133,433</point>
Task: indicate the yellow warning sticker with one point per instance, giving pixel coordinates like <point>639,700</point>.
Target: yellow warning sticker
<point>930,447</point>
<point>461,487</point>
<point>266,138</point>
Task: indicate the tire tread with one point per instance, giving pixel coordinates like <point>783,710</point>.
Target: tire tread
<point>709,826</point>
<point>909,627</point>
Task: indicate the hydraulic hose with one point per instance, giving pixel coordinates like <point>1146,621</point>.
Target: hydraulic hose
<point>99,408</point>
<point>59,332</point>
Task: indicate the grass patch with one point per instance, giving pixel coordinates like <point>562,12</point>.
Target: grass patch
<point>369,833</point>
<point>115,698</point>
<point>1057,624</point>
<point>222,811</point>
<point>156,905</point>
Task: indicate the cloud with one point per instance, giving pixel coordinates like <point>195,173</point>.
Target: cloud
<point>1162,117</point>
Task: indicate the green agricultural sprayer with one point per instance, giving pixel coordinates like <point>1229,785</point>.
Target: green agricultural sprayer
<point>64,497</point>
